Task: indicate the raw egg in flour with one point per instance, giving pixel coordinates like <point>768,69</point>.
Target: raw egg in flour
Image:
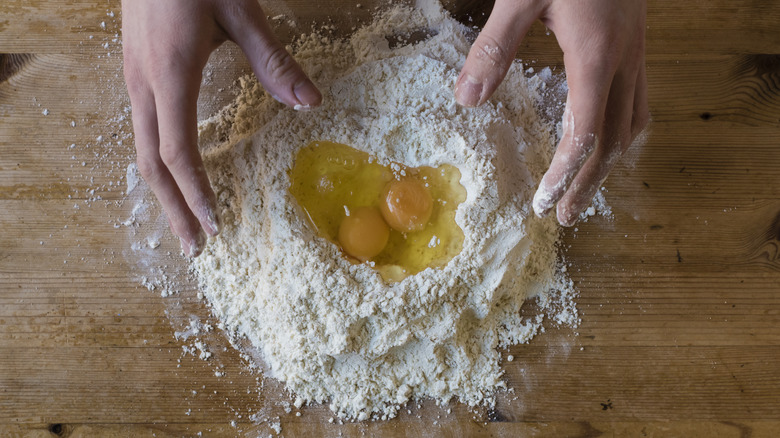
<point>406,205</point>
<point>399,218</point>
<point>363,234</point>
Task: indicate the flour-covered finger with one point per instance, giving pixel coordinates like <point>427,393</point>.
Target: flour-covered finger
<point>589,84</point>
<point>616,137</point>
<point>578,142</point>
<point>586,184</point>
<point>154,171</point>
<point>492,53</point>
<point>177,116</point>
<point>274,67</point>
<point>573,150</point>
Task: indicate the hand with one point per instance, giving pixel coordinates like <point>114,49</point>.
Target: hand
<point>166,45</point>
<point>603,43</point>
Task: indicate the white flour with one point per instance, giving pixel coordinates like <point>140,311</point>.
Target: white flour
<point>334,332</point>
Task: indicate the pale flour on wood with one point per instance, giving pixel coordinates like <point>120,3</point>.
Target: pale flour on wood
<point>333,331</point>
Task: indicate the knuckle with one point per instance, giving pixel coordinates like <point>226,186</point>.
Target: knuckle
<point>149,168</point>
<point>279,64</point>
<point>584,143</point>
<point>164,65</point>
<point>161,71</point>
<point>171,155</point>
<point>607,52</point>
<point>607,61</point>
<point>488,49</point>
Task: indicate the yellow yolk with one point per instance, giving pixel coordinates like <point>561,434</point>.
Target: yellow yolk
<point>332,181</point>
<point>406,205</point>
<point>364,234</point>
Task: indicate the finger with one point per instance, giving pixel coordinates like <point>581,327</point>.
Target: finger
<point>177,117</point>
<point>155,173</point>
<point>616,139</point>
<point>274,67</point>
<point>492,53</point>
<point>589,84</point>
<point>641,110</point>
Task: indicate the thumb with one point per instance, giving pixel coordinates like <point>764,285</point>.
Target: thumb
<point>494,50</point>
<point>274,67</point>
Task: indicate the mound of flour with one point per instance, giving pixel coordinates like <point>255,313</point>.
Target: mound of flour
<point>335,332</point>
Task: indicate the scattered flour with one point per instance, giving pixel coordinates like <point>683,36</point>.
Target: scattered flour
<point>335,332</point>
<point>598,206</point>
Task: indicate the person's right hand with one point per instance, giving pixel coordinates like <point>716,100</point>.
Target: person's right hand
<point>166,45</point>
<point>603,44</point>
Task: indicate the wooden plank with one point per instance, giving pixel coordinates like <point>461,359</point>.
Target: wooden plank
<point>57,26</point>
<point>674,28</point>
<point>85,26</point>
<point>450,429</point>
<point>144,385</point>
<point>739,89</point>
<point>679,290</point>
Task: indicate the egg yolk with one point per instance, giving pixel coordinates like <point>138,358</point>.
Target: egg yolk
<point>364,234</point>
<point>406,205</point>
<point>334,183</point>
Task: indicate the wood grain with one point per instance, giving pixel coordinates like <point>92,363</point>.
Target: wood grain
<point>679,290</point>
<point>10,64</point>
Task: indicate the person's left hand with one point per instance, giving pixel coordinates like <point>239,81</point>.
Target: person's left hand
<point>166,45</point>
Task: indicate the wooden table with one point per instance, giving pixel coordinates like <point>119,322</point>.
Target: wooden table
<point>679,293</point>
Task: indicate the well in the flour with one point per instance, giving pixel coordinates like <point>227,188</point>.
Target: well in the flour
<point>386,214</point>
<point>334,330</point>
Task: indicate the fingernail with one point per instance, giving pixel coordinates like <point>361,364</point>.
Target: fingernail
<point>565,218</point>
<point>542,203</point>
<point>468,90</point>
<point>568,221</point>
<point>194,247</point>
<point>212,222</point>
<point>185,246</point>
<point>308,95</point>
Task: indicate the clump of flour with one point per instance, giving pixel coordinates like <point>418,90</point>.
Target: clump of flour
<point>335,332</point>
